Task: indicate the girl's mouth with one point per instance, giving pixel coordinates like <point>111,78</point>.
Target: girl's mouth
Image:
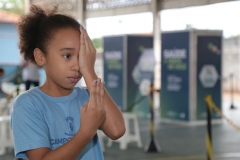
<point>74,79</point>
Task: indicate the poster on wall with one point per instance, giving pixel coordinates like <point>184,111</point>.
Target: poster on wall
<point>209,72</point>
<point>140,69</point>
<point>113,68</point>
<point>174,95</point>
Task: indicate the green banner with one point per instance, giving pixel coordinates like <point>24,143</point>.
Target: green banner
<point>174,102</point>
<point>113,68</point>
<point>209,73</point>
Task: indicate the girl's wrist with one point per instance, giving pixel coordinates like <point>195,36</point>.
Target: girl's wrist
<point>87,136</point>
<point>89,78</point>
<point>87,71</point>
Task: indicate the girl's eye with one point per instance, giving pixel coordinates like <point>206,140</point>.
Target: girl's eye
<point>67,56</point>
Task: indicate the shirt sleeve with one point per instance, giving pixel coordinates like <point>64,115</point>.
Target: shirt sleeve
<point>29,128</point>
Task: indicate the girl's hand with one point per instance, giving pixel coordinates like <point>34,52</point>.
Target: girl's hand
<point>87,53</point>
<point>93,112</point>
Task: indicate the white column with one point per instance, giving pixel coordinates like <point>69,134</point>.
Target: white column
<point>81,8</point>
<point>156,40</point>
<point>26,6</point>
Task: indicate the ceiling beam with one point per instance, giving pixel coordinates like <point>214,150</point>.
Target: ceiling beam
<point>172,4</point>
<point>119,11</point>
<point>162,5</point>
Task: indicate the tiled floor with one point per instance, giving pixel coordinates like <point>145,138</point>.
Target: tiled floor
<point>181,142</point>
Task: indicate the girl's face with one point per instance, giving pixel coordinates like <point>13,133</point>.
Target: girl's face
<point>62,65</point>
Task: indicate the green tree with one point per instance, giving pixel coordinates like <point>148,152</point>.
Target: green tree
<point>98,44</point>
<point>13,6</point>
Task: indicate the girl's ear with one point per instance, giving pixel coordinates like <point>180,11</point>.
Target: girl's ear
<point>39,57</point>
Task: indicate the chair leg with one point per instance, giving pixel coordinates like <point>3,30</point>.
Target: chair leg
<point>109,143</point>
<point>123,145</point>
<point>137,133</point>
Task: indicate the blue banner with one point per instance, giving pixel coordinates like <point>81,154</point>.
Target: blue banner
<point>140,69</point>
<point>209,72</point>
<point>113,68</point>
<point>174,101</point>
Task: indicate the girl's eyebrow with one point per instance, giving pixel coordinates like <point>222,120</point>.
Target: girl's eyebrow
<point>67,49</point>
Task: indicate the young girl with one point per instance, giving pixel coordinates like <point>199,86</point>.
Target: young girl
<point>56,120</point>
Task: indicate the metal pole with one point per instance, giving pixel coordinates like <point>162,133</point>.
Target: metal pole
<point>152,145</point>
<point>232,92</point>
<point>209,128</point>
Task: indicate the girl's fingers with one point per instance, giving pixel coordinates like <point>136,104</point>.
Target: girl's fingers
<point>91,46</point>
<point>102,93</point>
<point>85,39</point>
<point>82,41</point>
<point>93,93</point>
<point>98,91</point>
<point>88,42</point>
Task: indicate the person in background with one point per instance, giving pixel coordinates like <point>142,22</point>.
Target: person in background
<point>30,74</point>
<point>2,93</point>
<point>1,72</point>
<point>57,121</point>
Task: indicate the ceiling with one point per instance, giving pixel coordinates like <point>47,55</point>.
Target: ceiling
<point>103,8</point>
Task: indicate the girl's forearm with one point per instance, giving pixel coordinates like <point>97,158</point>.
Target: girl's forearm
<point>68,151</point>
<point>113,125</point>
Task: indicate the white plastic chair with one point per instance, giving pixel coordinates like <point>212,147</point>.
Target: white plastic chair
<point>101,136</point>
<point>6,138</point>
<point>128,137</point>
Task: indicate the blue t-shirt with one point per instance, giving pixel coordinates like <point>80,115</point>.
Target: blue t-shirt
<point>39,120</point>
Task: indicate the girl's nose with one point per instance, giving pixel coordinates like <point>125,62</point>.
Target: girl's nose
<point>75,67</point>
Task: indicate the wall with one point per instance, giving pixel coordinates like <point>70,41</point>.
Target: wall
<point>9,51</point>
<point>231,63</point>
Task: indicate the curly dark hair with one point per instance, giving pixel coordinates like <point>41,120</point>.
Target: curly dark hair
<point>36,30</point>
